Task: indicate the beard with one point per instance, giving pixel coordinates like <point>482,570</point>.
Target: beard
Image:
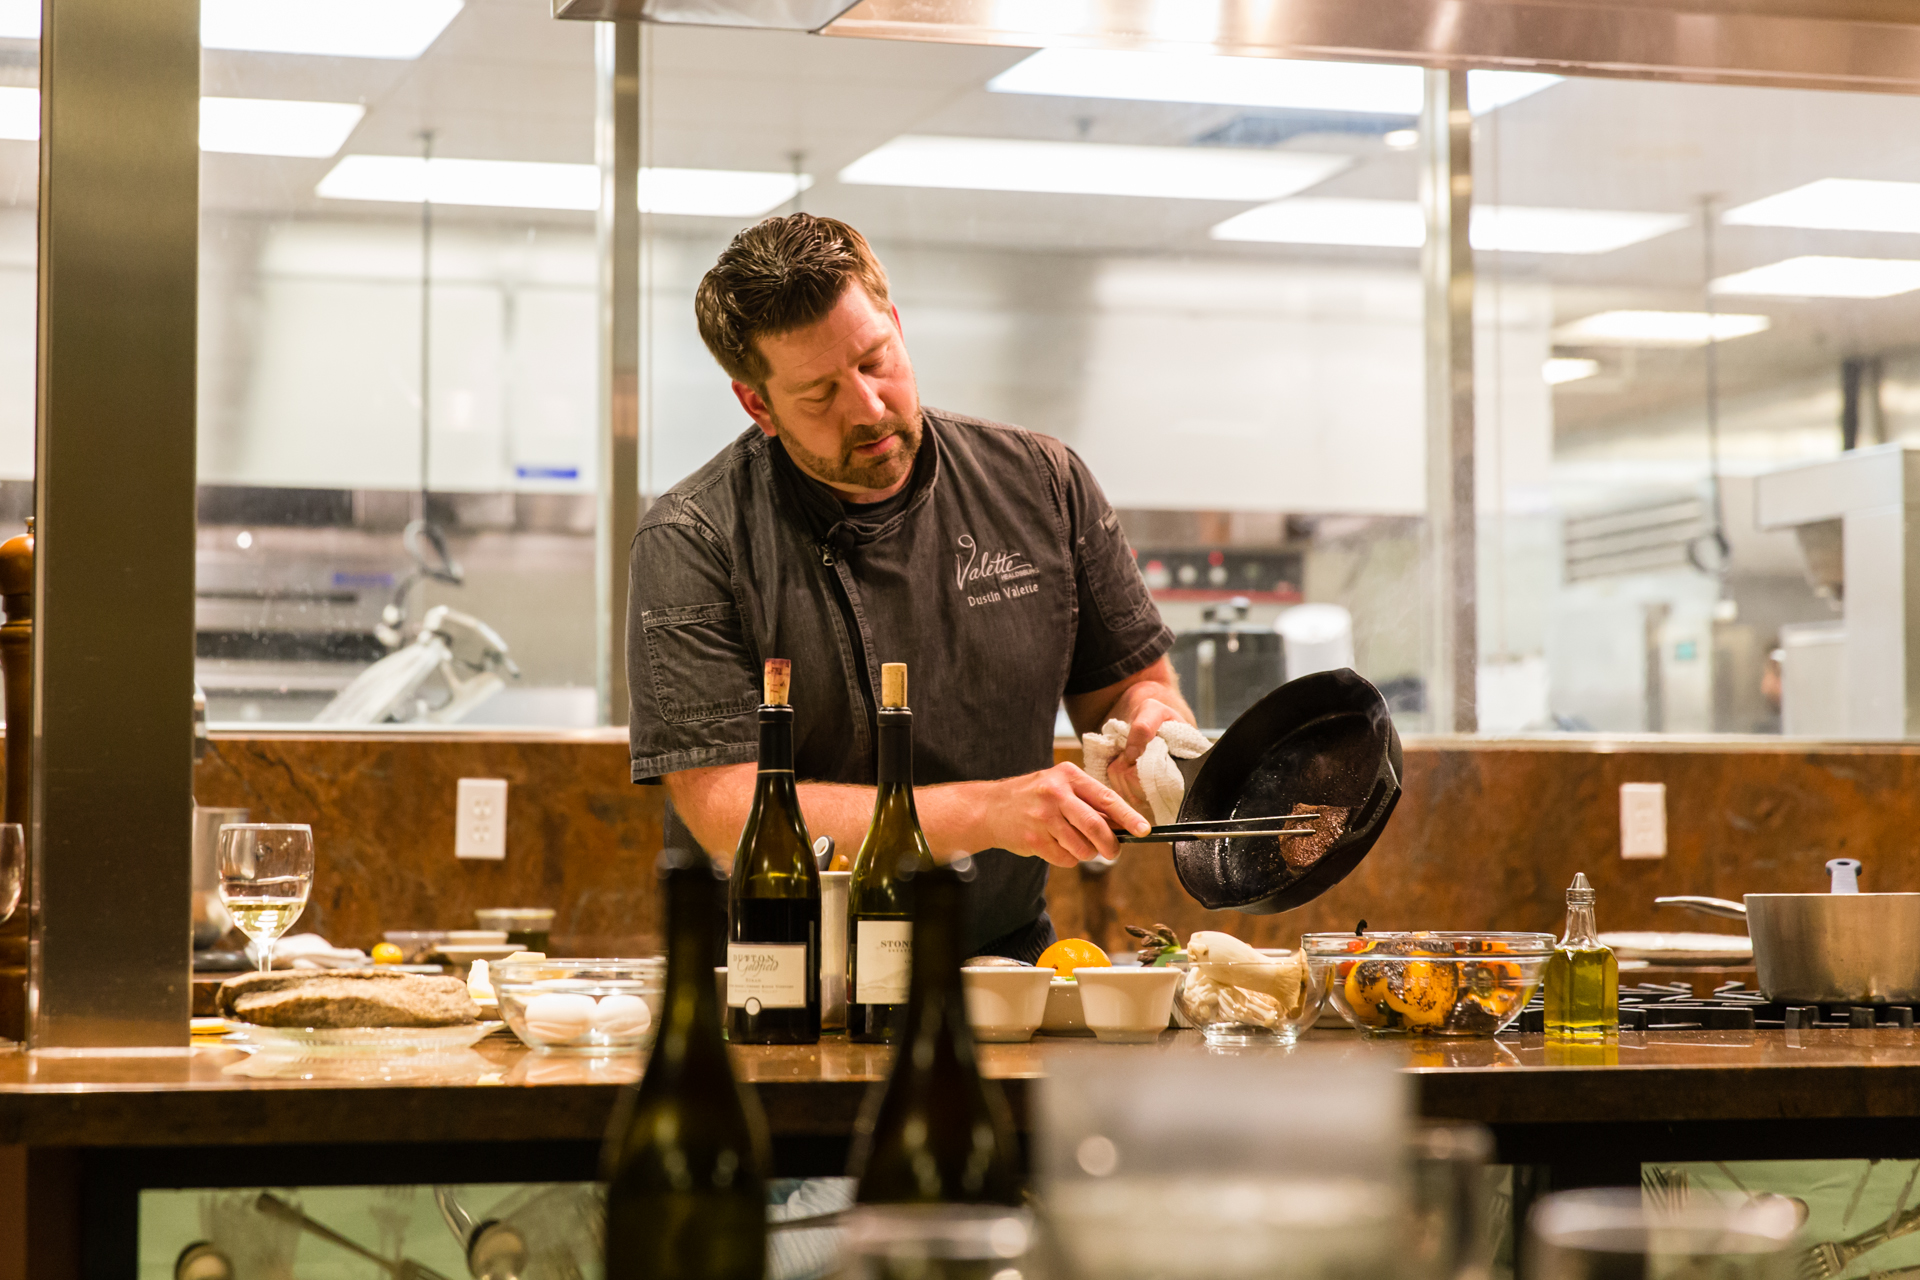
<point>877,473</point>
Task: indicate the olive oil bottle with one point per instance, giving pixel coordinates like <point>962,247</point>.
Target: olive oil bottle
<point>880,894</point>
<point>1583,978</point>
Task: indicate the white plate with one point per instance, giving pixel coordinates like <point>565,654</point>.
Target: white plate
<point>468,954</point>
<point>339,1040</point>
<point>1680,948</point>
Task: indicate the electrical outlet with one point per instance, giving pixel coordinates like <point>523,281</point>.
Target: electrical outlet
<point>1643,819</point>
<point>480,819</point>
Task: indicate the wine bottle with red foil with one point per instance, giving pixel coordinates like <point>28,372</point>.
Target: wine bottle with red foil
<point>773,900</point>
<point>880,892</point>
<point>687,1152</point>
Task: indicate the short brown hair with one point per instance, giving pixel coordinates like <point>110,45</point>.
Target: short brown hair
<point>779,275</point>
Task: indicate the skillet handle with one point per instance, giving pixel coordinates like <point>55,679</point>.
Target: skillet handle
<point>1707,906</point>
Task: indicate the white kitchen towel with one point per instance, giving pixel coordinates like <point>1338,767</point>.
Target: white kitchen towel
<point>1159,775</point>
<point>309,951</point>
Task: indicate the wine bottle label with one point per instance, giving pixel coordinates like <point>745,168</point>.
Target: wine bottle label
<point>766,976</point>
<point>882,961</point>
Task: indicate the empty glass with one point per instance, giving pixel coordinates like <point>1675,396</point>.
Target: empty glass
<point>266,872</point>
<point>1617,1233</point>
<point>13,867</point>
<point>938,1242</point>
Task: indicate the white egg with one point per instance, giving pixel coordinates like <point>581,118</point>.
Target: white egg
<point>622,1017</point>
<point>557,1018</point>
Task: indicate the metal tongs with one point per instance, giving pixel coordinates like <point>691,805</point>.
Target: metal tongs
<point>1225,829</point>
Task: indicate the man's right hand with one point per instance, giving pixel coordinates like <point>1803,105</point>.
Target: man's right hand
<point>1059,815</point>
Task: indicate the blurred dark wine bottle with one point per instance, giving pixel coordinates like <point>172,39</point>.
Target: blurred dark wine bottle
<point>879,896</point>
<point>937,1132</point>
<point>773,900</point>
<point>687,1154</point>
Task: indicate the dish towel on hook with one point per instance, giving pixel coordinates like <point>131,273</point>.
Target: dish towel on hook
<point>1159,775</point>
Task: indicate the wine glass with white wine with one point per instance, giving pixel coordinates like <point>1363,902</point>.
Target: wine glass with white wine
<point>266,872</point>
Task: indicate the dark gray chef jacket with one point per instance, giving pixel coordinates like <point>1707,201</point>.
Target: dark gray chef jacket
<point>1000,576</point>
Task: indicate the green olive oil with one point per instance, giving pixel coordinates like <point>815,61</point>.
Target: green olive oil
<point>1583,979</point>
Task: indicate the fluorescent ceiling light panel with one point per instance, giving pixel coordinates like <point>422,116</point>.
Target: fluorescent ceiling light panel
<point>20,114</point>
<point>1836,204</point>
<point>19,19</point>
<point>1821,277</point>
<point>1517,229</point>
<point>1379,224</point>
<point>718,193</point>
<point>1090,168</point>
<point>1374,88</point>
<point>522,184</point>
<point>1399,224</point>
<point>276,127</point>
<point>1656,329</point>
<point>330,28</point>
<point>513,184</point>
<point>1561,369</point>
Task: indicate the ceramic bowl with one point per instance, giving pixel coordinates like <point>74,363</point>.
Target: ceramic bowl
<point>1063,1016</point>
<point>1128,1005</point>
<point>1005,1004</point>
<point>581,1006</point>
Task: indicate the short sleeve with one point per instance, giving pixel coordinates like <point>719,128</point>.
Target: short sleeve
<point>690,663</point>
<point>1120,630</point>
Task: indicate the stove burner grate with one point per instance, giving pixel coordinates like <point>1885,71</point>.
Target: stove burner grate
<point>1731,1007</point>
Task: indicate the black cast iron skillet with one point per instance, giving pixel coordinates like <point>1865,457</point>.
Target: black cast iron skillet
<point>1324,739</point>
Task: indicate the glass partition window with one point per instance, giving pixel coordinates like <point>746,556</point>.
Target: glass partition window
<point>19,199</point>
<point>398,366</point>
<point>1739,315</point>
<point>1201,273</point>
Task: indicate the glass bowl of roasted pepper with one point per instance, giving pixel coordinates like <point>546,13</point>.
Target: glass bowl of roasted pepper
<point>1431,983</point>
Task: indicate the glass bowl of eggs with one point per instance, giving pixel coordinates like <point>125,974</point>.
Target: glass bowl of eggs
<point>581,1006</point>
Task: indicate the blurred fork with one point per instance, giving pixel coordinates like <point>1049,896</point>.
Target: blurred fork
<point>1829,1258</point>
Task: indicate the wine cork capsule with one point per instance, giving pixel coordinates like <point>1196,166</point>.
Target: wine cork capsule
<point>893,684</point>
<point>779,680</point>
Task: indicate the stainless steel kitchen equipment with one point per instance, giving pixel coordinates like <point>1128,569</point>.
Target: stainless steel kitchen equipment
<point>1842,947</point>
<point>1227,664</point>
<point>1857,677</point>
<point>210,919</point>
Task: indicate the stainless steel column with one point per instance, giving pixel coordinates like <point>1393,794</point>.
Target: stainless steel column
<point>617,143</point>
<point>113,641</point>
<point>1446,195</point>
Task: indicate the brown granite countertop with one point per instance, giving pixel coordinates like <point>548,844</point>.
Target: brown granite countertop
<point>215,1095</point>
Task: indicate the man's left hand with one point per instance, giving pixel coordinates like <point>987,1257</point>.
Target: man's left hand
<point>1144,718</point>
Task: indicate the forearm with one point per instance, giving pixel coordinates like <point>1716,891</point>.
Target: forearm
<point>1167,693</point>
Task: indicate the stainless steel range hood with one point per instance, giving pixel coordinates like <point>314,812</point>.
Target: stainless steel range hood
<point>1830,44</point>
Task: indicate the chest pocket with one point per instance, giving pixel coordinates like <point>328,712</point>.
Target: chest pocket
<point>701,666</point>
<point>1112,577</point>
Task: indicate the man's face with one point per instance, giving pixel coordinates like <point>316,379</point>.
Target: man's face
<point>840,396</point>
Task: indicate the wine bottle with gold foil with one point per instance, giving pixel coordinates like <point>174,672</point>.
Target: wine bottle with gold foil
<point>773,901</point>
<point>879,895</point>
<point>687,1154</point>
<point>937,1132</point>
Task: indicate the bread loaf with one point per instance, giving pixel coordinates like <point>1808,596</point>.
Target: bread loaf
<point>347,998</point>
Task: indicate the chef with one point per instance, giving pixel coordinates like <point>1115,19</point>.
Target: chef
<point>850,526</point>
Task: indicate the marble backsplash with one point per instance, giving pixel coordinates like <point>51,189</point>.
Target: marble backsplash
<point>1487,835</point>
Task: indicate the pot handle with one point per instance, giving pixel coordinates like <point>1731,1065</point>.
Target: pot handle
<point>1706,906</point>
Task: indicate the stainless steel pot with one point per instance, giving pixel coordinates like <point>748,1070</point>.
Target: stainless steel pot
<point>1829,948</point>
